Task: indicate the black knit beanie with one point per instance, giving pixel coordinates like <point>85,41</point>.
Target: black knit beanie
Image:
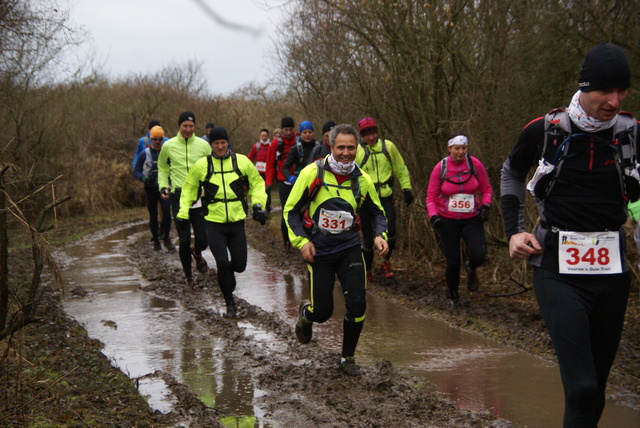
<point>287,122</point>
<point>152,123</point>
<point>604,67</point>
<point>186,115</point>
<point>327,126</point>
<point>218,133</point>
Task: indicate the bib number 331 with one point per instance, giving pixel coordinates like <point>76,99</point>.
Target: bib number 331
<point>335,221</point>
<point>589,252</point>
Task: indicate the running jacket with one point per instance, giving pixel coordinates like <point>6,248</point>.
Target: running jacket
<point>381,170</point>
<point>227,207</point>
<point>178,156</point>
<point>438,192</point>
<point>295,160</point>
<point>275,160</point>
<point>331,198</point>
<point>258,155</point>
<point>587,196</point>
<point>147,167</point>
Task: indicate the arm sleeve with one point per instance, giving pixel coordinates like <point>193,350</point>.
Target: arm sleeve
<point>252,153</point>
<point>433,191</point>
<point>400,169</point>
<point>514,172</point>
<point>289,161</point>
<point>190,187</point>
<point>372,204</point>
<point>163,167</point>
<point>484,186</point>
<point>257,191</point>
<point>297,199</point>
<point>139,166</point>
<point>270,175</point>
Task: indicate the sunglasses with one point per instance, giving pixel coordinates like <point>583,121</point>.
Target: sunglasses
<point>157,139</point>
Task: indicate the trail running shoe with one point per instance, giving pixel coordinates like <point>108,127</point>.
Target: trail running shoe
<point>168,244</point>
<point>201,263</point>
<point>304,327</point>
<point>472,278</point>
<point>231,312</point>
<point>350,367</point>
<point>190,284</point>
<point>157,246</point>
<point>386,270</point>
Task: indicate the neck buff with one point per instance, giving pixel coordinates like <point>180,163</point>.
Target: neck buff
<point>226,155</point>
<point>341,168</point>
<point>583,120</point>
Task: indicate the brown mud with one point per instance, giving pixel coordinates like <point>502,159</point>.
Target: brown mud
<point>301,385</point>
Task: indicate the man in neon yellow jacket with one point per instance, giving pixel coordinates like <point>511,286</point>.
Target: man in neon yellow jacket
<point>177,156</point>
<point>383,162</point>
<point>225,178</point>
<point>322,216</point>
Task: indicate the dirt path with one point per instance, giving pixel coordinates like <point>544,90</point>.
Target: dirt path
<point>302,384</point>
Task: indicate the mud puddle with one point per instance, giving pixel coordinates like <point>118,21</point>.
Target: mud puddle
<point>144,333</point>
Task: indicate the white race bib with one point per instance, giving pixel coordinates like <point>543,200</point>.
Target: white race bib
<point>335,221</point>
<point>461,203</point>
<point>261,166</point>
<point>196,204</point>
<point>589,252</point>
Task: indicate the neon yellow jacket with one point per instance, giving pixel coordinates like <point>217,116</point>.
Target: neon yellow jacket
<point>333,198</point>
<point>177,157</point>
<point>226,206</point>
<point>381,170</point>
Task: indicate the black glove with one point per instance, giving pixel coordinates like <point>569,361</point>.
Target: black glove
<point>484,212</point>
<point>267,189</point>
<point>408,196</point>
<point>181,224</point>
<point>259,214</point>
<point>436,222</point>
<point>164,191</point>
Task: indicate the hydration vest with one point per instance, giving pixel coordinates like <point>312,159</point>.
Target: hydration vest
<point>239,186</point>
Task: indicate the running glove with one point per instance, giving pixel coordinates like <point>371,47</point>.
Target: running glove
<point>408,196</point>
<point>259,214</point>
<point>436,221</point>
<point>484,212</point>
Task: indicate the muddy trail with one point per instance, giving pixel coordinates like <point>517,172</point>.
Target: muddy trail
<point>298,384</point>
<point>295,384</point>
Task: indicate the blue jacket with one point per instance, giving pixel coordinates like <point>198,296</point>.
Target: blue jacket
<point>143,143</point>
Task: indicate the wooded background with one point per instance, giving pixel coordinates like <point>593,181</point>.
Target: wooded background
<point>421,69</point>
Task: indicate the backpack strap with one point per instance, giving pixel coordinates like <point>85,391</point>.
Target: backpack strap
<point>367,151</point>
<point>471,169</point>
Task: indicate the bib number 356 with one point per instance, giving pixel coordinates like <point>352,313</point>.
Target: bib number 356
<point>589,253</point>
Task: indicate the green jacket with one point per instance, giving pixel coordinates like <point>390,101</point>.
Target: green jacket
<point>177,157</point>
<point>330,200</point>
<point>227,189</point>
<point>381,170</point>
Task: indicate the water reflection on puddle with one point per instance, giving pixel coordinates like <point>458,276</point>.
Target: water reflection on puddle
<point>143,334</point>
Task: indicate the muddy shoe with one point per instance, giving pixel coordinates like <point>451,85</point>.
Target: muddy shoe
<point>190,284</point>
<point>157,246</point>
<point>387,271</point>
<point>201,263</point>
<point>304,327</point>
<point>472,278</point>
<point>231,312</point>
<point>350,367</point>
<point>168,244</point>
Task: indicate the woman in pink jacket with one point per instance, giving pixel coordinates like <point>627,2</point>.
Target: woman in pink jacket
<point>458,202</point>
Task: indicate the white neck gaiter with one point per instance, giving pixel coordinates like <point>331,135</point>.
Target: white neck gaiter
<point>583,120</point>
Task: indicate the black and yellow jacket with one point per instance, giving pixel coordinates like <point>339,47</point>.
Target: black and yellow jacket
<point>227,193</point>
<point>335,198</point>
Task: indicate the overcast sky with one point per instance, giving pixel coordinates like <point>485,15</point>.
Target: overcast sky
<point>133,36</point>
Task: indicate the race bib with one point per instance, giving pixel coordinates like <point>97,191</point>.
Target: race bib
<point>261,166</point>
<point>461,203</point>
<point>196,204</point>
<point>589,252</point>
<point>335,221</point>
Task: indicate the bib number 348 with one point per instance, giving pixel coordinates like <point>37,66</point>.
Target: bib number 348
<point>589,253</point>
